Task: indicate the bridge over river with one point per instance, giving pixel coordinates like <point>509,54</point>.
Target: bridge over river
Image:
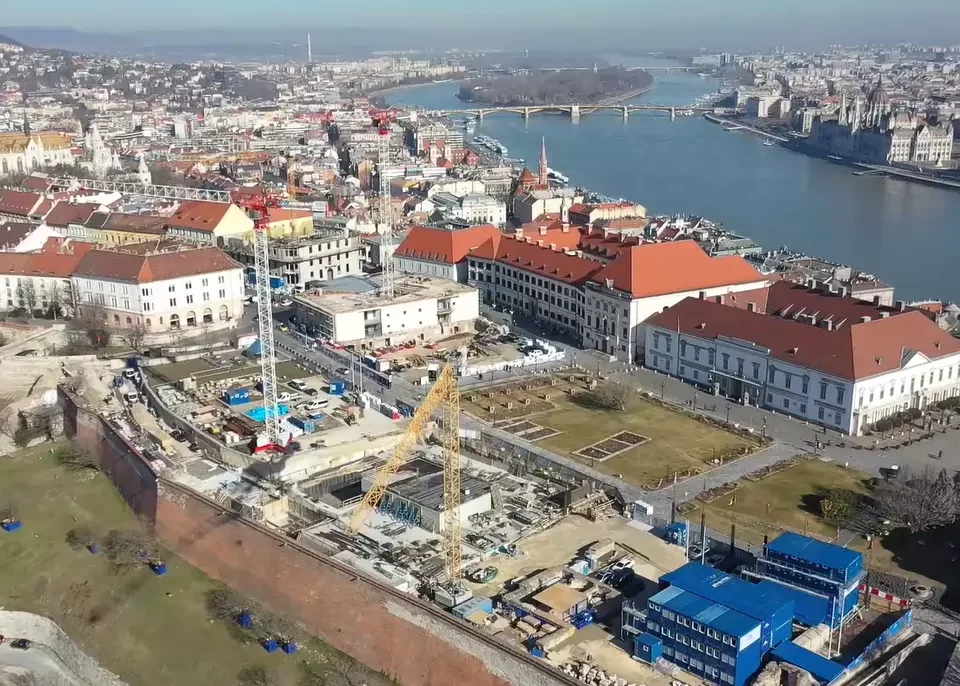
<point>575,111</point>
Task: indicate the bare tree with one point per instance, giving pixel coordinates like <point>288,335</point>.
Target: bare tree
<point>919,500</point>
<point>176,336</point>
<point>58,302</point>
<point>255,675</point>
<point>92,323</point>
<point>81,537</point>
<point>27,295</point>
<point>136,334</point>
<point>77,458</point>
<point>128,549</point>
<point>609,395</point>
<point>205,328</point>
<point>225,603</point>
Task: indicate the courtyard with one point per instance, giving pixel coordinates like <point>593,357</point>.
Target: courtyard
<point>646,444</point>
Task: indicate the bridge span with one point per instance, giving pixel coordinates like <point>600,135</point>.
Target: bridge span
<point>575,111</point>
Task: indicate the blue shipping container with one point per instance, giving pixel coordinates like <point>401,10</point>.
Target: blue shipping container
<point>237,396</point>
<point>276,282</point>
<point>337,387</point>
<point>306,424</point>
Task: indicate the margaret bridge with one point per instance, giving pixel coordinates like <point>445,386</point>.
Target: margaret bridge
<point>576,111</point>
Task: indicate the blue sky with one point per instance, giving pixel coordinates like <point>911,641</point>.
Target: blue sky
<point>701,20</point>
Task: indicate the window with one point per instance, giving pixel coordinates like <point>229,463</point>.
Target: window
<point>836,418</point>
<point>171,288</point>
<point>221,279</point>
<point>145,291</point>
<point>756,370</point>
<point>188,285</point>
<point>683,370</point>
<point>803,408</point>
<point>739,366</point>
<point>820,413</point>
<point>223,294</point>
<point>941,376</point>
<point>173,302</point>
<point>726,360</point>
<point>769,397</point>
<point>787,381</point>
<point>823,391</point>
<point>786,403</point>
<point>696,355</point>
<point>669,616</point>
<point>667,632</point>
<point>189,299</point>
<point>205,282</point>
<point>771,375</point>
<point>669,343</point>
<point>696,626</point>
<point>685,640</point>
<point>696,645</point>
<point>806,385</point>
<point>206,296</point>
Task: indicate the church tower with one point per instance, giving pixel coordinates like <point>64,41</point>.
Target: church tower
<point>143,173</point>
<point>26,123</point>
<point>544,178</point>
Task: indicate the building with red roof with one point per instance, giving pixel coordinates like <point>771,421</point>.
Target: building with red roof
<point>441,251</point>
<point>824,358</point>
<point>40,281</point>
<point>207,222</point>
<point>161,285</point>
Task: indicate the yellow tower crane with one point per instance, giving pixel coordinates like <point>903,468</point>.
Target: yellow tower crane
<point>444,396</point>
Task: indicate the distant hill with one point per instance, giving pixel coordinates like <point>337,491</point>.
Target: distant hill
<point>9,41</point>
<point>61,39</point>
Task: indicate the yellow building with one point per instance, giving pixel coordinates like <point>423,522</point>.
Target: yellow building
<point>203,221</point>
<point>285,223</point>
<point>117,228</point>
<point>21,153</point>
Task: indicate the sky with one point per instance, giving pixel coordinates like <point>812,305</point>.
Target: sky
<point>717,23</point>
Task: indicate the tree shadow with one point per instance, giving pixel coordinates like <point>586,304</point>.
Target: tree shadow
<point>934,554</point>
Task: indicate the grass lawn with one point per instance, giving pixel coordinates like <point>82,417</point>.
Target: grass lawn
<point>677,442</point>
<point>785,501</point>
<point>148,629</point>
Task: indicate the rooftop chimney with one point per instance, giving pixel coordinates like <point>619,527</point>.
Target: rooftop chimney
<point>826,324</point>
<point>543,230</point>
<point>751,307</point>
<point>864,320</point>
<point>876,300</point>
<point>901,306</point>
<point>844,291</point>
<point>702,295</point>
<point>540,243</point>
<point>566,227</point>
<point>553,246</point>
<point>884,315</point>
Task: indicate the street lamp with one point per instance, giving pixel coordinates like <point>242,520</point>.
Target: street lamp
<point>694,401</point>
<point>728,413</point>
<point>662,385</point>
<point>763,430</point>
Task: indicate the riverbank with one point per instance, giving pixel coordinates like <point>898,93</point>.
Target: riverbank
<point>689,166</point>
<point>409,86</point>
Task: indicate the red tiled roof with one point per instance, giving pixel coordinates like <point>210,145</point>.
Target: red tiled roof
<point>609,246</point>
<point>36,183</point>
<point>552,231</point>
<point>790,300</point>
<point>56,259</point>
<point>199,215</point>
<point>19,203</point>
<point>444,245</point>
<point>852,352</point>
<point>282,214</point>
<point>13,233</point>
<point>123,265</point>
<point>64,213</point>
<point>530,257</point>
<point>678,267</point>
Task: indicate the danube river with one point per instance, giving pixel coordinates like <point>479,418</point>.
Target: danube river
<point>907,234</point>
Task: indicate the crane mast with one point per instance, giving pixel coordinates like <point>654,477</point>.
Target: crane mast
<point>258,208</point>
<point>443,396</point>
<point>388,276</point>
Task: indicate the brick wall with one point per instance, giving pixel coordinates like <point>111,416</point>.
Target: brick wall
<point>415,643</point>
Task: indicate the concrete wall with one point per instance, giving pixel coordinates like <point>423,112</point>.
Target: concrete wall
<point>414,642</point>
<point>43,632</point>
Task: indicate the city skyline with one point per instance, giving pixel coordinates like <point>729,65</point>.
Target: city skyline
<point>700,23</point>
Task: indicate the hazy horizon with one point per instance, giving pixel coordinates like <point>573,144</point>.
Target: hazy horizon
<point>560,24</point>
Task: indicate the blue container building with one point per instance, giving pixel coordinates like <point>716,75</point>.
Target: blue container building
<point>237,396</point>
<point>337,387</point>
<point>823,578</point>
<point>711,624</point>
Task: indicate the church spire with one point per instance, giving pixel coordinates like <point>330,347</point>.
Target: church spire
<point>26,123</point>
<point>544,179</point>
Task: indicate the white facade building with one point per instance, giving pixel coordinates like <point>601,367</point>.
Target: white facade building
<point>841,375</point>
<point>424,309</point>
<point>199,288</point>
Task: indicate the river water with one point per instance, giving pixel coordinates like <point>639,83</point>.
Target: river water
<point>907,234</point>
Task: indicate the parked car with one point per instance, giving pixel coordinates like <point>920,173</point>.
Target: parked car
<point>312,392</point>
<point>298,384</point>
<point>284,302</point>
<point>317,405</point>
